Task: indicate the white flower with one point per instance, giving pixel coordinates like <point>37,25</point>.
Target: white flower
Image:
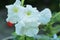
<point>27,28</point>
<point>13,11</point>
<point>30,12</point>
<point>45,16</point>
<point>13,15</point>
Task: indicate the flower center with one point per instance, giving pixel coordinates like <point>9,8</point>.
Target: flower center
<point>15,9</point>
<point>28,13</point>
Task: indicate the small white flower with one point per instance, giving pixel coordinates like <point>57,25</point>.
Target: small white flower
<point>45,16</point>
<point>13,14</point>
<point>30,13</point>
<point>13,11</point>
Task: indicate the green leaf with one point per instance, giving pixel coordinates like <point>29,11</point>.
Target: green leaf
<point>55,18</point>
<point>19,37</point>
<point>23,38</point>
<point>29,38</point>
<point>42,37</point>
<point>56,29</point>
<point>14,34</point>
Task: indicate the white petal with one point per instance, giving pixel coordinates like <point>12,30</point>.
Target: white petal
<point>32,32</point>
<point>27,28</point>
<point>9,6</point>
<point>18,28</point>
<point>13,19</point>
<point>45,16</point>
<point>17,2</point>
<point>32,23</point>
<point>31,28</point>
<point>29,6</point>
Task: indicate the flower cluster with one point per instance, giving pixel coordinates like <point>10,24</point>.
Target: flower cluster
<point>27,19</point>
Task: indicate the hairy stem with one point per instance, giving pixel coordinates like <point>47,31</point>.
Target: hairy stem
<point>22,2</point>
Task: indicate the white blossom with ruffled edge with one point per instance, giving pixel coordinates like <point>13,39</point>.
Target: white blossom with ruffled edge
<point>13,16</point>
<point>13,11</point>
<point>45,16</point>
<point>30,13</point>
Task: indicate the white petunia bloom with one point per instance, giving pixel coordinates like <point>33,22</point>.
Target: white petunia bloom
<point>13,11</point>
<point>45,16</point>
<point>30,12</point>
<point>13,16</point>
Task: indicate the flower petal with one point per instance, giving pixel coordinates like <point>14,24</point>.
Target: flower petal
<point>45,16</point>
<point>13,19</point>
<point>18,28</point>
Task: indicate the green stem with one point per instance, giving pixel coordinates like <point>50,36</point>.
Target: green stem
<point>22,2</point>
